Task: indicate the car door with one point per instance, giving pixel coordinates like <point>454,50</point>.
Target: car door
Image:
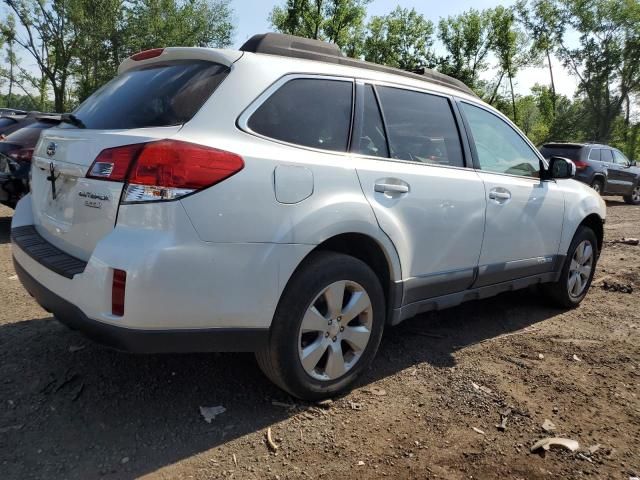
<point>413,173</point>
<point>614,177</point>
<point>524,214</point>
<point>625,174</point>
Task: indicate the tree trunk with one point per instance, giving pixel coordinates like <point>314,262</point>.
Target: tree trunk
<point>10,80</point>
<point>495,90</point>
<point>513,99</point>
<point>553,84</point>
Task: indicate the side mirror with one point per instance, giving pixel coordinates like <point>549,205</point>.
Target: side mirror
<point>633,163</point>
<point>560,167</point>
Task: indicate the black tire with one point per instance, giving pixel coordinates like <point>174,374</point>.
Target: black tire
<point>598,186</point>
<point>280,360</point>
<point>558,292</point>
<point>634,197</point>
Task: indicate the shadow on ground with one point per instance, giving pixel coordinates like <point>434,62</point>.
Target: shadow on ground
<point>77,414</point>
<point>5,230</point>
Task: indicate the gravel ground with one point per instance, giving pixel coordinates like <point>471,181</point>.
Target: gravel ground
<point>428,408</point>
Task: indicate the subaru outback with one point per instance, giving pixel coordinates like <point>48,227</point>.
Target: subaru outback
<point>286,200</point>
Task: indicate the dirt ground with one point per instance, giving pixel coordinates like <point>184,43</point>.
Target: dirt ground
<point>428,408</point>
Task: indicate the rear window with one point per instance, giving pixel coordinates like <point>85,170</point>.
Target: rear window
<point>156,95</point>
<point>5,122</point>
<point>29,134</point>
<point>572,153</point>
<point>310,112</point>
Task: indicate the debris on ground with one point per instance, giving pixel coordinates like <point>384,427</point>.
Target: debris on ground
<point>504,415</point>
<point>355,405</point>
<point>617,287</point>
<point>576,358</point>
<point>270,442</point>
<point>11,428</point>
<point>275,403</point>
<point>477,430</point>
<point>210,413</point>
<point>76,348</point>
<point>626,241</point>
<point>235,460</point>
<point>482,388</point>
<point>380,392</point>
<point>360,463</point>
<point>548,425</point>
<point>555,442</point>
<point>13,277</point>
<point>541,356</point>
<point>324,403</point>
<point>594,448</point>
<point>124,460</point>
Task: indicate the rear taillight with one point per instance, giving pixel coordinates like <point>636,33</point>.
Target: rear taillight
<point>580,165</point>
<point>165,169</point>
<point>22,155</point>
<point>118,287</point>
<point>146,54</point>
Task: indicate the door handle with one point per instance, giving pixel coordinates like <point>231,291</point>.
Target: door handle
<point>500,195</point>
<point>387,187</point>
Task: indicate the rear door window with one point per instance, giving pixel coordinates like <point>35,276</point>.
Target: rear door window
<point>156,95</point>
<point>311,112</point>
<point>421,127</point>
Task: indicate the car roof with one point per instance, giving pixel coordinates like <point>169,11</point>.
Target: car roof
<point>316,50</point>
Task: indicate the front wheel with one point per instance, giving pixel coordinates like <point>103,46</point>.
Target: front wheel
<point>634,197</point>
<point>327,327</point>
<point>577,271</point>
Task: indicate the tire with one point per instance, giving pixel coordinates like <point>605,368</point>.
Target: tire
<point>598,186</point>
<point>567,292</point>
<point>634,197</point>
<point>307,299</point>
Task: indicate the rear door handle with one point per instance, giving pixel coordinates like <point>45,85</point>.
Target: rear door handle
<point>389,185</point>
<point>500,195</point>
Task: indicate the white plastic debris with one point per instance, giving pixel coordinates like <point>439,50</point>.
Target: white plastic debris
<point>210,413</point>
<point>548,425</point>
<point>555,442</point>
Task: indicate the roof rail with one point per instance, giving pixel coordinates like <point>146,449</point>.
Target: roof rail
<point>310,49</point>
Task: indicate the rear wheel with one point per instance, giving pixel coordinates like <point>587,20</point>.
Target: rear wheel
<point>327,327</point>
<point>634,197</point>
<point>598,186</point>
<point>577,271</point>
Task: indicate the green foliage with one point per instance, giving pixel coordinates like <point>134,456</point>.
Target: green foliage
<point>401,39</point>
<point>467,40</point>
<point>337,21</point>
<point>606,59</point>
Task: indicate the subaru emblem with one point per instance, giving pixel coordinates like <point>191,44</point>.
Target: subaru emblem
<point>51,149</point>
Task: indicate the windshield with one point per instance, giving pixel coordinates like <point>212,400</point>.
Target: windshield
<point>156,95</point>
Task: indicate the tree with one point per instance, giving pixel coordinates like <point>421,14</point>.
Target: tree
<point>467,41</point>
<point>50,38</point>
<point>401,39</point>
<point>337,21</point>
<point>606,59</point>
<point>9,34</point>
<point>544,22</point>
<point>509,44</point>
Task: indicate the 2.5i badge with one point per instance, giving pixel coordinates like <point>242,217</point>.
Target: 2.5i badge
<point>93,200</point>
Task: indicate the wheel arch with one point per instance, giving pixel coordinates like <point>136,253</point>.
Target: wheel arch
<point>381,258</point>
<point>595,223</point>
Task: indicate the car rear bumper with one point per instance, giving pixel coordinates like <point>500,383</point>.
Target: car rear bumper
<point>143,341</point>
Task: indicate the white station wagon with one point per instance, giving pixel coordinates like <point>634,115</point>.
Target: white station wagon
<point>287,200</point>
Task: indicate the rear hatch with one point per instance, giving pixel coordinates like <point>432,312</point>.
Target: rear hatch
<point>149,101</point>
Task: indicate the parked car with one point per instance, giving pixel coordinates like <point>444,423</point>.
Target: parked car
<point>16,150</point>
<point>286,200</point>
<point>605,168</point>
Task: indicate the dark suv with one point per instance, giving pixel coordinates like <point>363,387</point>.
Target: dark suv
<point>603,167</point>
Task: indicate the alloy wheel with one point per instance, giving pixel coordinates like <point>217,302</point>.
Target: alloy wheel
<point>335,330</point>
<point>580,269</point>
<point>635,194</point>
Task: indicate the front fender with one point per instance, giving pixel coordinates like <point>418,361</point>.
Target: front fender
<point>580,202</point>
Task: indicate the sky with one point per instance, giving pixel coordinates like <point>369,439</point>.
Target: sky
<point>251,17</point>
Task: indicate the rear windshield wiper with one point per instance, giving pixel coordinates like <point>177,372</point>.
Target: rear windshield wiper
<point>72,119</point>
